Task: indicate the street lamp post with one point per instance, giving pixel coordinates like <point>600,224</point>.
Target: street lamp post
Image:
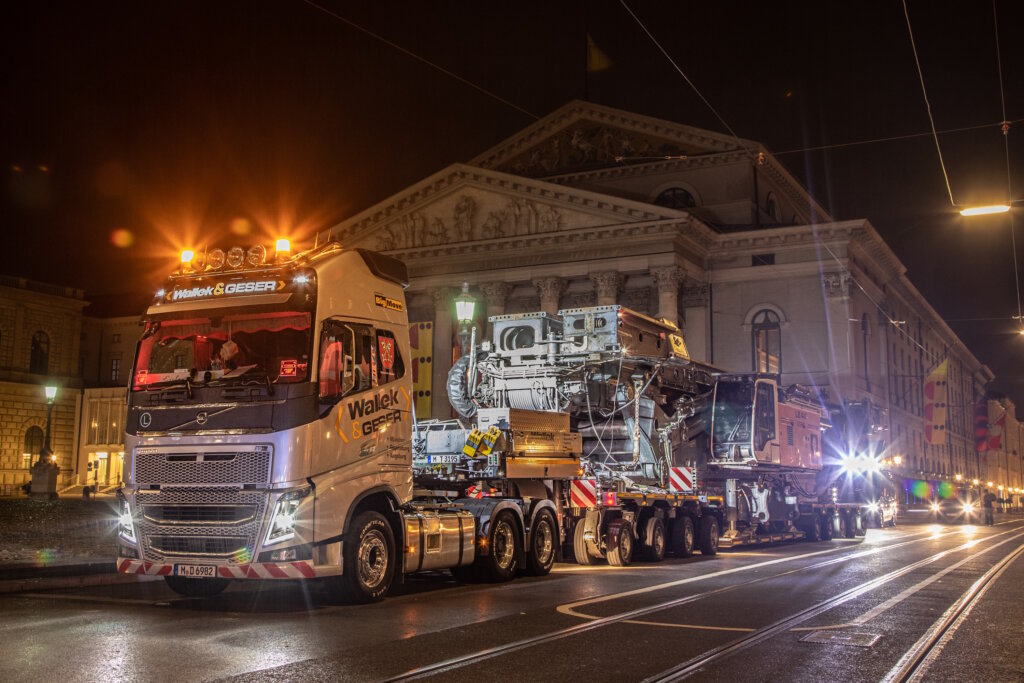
<point>45,471</point>
<point>464,308</point>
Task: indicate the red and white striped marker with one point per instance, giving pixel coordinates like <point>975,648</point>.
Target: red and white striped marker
<point>583,493</point>
<point>680,479</point>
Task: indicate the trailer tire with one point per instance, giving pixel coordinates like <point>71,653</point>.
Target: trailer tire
<point>620,543</point>
<point>196,588</point>
<point>683,536</point>
<point>654,550</point>
<point>812,528</point>
<point>708,535</point>
<point>860,525</point>
<point>369,559</point>
<point>826,527</point>
<point>543,542</point>
<point>846,525</point>
<point>579,545</point>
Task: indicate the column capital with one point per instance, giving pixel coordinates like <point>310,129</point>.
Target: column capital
<point>496,293</point>
<point>836,285</point>
<point>442,297</point>
<point>668,278</point>
<point>550,287</point>
<point>608,284</point>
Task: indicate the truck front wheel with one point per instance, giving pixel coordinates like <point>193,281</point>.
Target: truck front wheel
<point>196,588</point>
<point>502,560</point>
<point>709,535</point>
<point>369,559</point>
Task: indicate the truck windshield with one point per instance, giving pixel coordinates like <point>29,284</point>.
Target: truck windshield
<point>733,406</point>
<point>269,346</point>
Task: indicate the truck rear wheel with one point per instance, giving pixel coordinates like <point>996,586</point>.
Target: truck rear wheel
<point>845,526</point>
<point>654,549</point>
<point>826,527</point>
<point>620,543</point>
<point>812,527</point>
<point>682,536</point>
<point>860,524</point>
<point>504,551</point>
<point>579,545</point>
<point>369,562</point>
<point>196,588</point>
<point>708,535</point>
<point>543,541</point>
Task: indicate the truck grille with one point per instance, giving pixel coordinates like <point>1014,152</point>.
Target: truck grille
<point>198,467</point>
<point>215,523</point>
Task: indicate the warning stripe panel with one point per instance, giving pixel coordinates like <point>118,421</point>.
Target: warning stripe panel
<point>583,493</point>
<point>681,479</point>
<point>266,570</point>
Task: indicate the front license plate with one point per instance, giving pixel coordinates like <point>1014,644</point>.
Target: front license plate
<point>444,459</point>
<point>204,571</point>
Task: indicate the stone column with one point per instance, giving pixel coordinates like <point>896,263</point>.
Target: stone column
<point>442,351</point>
<point>550,290</point>
<point>837,298</point>
<point>608,284</point>
<point>696,322</point>
<point>668,279</point>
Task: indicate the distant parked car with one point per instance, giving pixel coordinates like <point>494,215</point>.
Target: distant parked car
<point>881,512</point>
<point>956,510</point>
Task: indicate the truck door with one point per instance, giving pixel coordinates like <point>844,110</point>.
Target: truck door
<point>766,428</point>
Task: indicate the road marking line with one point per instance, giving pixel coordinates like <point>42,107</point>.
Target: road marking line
<point>897,599</point>
<point>570,608</point>
<point>699,627</point>
<point>89,598</point>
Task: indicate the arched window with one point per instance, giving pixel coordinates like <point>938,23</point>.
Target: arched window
<point>676,198</point>
<point>771,208</point>
<point>767,342</point>
<point>39,360</point>
<point>33,445</point>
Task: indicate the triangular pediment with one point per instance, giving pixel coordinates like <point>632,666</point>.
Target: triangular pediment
<point>583,136</point>
<point>462,204</point>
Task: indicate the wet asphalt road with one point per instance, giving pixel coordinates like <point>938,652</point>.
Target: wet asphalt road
<point>596,623</point>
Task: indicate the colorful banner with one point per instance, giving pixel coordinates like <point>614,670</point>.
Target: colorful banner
<point>421,343</point>
<point>981,426</point>
<point>996,426</point>
<point>935,405</point>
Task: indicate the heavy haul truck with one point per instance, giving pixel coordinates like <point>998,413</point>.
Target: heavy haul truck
<point>271,434</point>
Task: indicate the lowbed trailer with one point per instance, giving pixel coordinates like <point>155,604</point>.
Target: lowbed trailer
<point>271,435</point>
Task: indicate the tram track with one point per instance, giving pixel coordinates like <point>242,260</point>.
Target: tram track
<point>695,664</point>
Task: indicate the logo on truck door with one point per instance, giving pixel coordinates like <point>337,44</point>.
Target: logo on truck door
<point>364,416</point>
<point>387,352</point>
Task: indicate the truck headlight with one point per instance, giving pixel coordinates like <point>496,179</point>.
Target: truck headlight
<point>968,507</point>
<point>282,522</point>
<point>872,507</point>
<point>935,507</point>
<point>125,525</point>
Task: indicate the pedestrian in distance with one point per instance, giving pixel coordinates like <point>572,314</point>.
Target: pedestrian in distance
<point>988,500</point>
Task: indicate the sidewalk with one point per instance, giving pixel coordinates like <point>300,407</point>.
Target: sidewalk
<point>57,543</point>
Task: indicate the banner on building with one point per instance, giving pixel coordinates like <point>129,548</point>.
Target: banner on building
<point>935,405</point>
<point>981,426</point>
<point>421,344</point>
<point>996,426</point>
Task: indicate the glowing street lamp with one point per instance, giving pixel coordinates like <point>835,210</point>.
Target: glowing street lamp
<point>984,210</point>
<point>465,305</point>
<point>45,471</point>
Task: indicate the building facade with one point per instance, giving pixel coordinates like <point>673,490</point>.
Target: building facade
<point>593,205</point>
<point>40,332</point>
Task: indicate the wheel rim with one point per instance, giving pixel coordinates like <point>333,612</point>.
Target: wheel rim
<point>714,537</point>
<point>373,559</point>
<point>688,538</point>
<point>625,542</point>
<point>503,546</point>
<point>543,542</point>
<point>659,541</point>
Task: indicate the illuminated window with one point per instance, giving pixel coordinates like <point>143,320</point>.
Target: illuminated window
<point>767,342</point>
<point>115,369</point>
<point>39,359</point>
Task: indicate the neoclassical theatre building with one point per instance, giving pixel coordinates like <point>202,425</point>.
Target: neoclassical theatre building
<point>592,205</point>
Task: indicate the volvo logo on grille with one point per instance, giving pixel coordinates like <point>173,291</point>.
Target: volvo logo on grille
<point>201,418</point>
<point>145,420</point>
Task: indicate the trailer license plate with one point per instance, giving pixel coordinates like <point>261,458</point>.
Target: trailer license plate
<point>444,459</point>
<point>205,571</point>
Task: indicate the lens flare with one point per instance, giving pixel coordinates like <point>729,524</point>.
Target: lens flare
<point>122,238</point>
<point>921,489</point>
<point>947,490</point>
<point>241,226</point>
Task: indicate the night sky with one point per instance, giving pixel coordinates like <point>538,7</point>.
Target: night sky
<point>133,128</point>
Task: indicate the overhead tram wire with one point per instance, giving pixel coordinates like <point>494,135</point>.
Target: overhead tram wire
<point>1006,147</point>
<point>739,143</point>
<point>927,104</point>
<point>423,60</point>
